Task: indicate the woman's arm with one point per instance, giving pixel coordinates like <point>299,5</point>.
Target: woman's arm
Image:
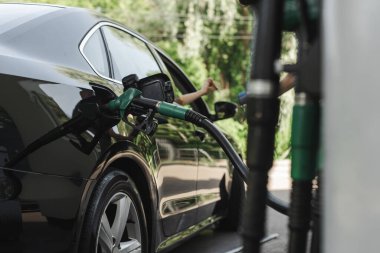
<point>208,86</point>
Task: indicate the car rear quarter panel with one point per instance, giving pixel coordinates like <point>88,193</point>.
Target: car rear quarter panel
<point>36,97</point>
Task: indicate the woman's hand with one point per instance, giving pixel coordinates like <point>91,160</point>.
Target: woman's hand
<point>208,86</point>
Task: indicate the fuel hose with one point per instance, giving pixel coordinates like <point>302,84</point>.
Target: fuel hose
<point>134,101</point>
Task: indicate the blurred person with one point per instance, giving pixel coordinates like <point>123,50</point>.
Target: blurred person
<point>286,83</point>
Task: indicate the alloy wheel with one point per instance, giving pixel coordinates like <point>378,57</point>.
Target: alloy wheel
<point>119,229</point>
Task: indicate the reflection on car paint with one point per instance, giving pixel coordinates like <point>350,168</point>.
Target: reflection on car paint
<point>190,231</point>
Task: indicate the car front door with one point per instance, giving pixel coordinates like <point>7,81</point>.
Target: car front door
<point>214,172</point>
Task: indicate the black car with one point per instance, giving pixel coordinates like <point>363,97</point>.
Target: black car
<point>69,184</point>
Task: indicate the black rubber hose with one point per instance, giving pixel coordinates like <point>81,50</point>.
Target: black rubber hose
<point>227,147</point>
<point>277,204</point>
<point>201,121</point>
<point>299,216</point>
<point>50,136</point>
<point>256,195</point>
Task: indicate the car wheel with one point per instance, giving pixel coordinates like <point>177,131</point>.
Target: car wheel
<point>235,204</point>
<point>115,220</point>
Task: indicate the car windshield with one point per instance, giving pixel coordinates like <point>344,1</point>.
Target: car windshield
<point>12,15</point>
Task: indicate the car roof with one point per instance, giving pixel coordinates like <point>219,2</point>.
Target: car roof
<point>45,33</point>
<point>48,32</point>
<point>14,15</point>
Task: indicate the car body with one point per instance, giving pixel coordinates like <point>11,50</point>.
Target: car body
<point>51,59</point>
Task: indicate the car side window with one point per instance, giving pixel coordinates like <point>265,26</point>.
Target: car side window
<point>95,52</point>
<point>129,55</point>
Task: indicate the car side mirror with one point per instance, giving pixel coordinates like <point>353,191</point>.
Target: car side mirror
<point>224,110</point>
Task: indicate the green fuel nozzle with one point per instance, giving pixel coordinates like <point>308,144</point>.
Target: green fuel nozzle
<point>172,110</point>
<point>133,95</point>
<point>131,102</point>
<point>122,102</point>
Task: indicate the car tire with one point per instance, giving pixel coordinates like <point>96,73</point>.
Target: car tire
<point>115,217</point>
<point>232,220</point>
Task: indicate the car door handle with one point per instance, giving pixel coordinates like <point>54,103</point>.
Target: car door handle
<point>200,134</point>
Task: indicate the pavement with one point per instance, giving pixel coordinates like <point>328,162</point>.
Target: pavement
<point>213,240</point>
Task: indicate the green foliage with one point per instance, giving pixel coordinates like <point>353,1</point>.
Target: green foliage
<point>193,66</point>
<point>207,38</point>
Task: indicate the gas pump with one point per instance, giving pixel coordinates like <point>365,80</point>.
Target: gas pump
<point>273,17</point>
